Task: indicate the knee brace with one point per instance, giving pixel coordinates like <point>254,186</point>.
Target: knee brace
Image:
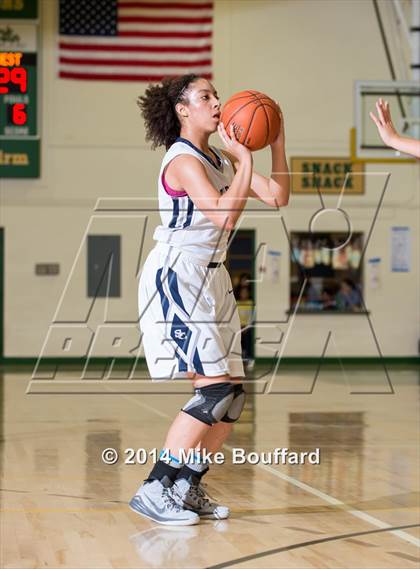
<point>211,403</point>
<point>235,409</point>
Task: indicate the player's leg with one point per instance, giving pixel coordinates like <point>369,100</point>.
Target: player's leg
<point>188,483</point>
<point>230,333</point>
<point>214,439</point>
<point>199,416</point>
<point>229,338</point>
<point>155,498</point>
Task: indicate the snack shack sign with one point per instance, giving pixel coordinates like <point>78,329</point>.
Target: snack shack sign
<point>328,175</point>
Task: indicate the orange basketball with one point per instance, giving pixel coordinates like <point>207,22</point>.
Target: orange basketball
<point>255,117</point>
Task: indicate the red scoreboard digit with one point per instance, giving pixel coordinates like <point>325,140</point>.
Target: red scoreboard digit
<point>14,79</point>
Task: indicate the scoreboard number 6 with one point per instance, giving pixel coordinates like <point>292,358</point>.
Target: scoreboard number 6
<point>19,115</point>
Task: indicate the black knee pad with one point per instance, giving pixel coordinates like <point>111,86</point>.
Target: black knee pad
<point>210,403</point>
<point>235,409</point>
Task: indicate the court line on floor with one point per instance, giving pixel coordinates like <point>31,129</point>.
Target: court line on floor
<point>305,544</point>
<point>335,502</point>
<point>311,490</point>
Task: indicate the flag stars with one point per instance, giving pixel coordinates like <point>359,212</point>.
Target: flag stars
<point>89,18</point>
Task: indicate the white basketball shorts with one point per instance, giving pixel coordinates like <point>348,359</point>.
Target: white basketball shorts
<point>188,317</point>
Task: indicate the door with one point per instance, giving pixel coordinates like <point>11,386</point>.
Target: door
<point>240,263</point>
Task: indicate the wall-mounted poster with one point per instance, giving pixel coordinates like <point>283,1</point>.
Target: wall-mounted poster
<point>374,279</point>
<point>400,249</point>
<point>325,270</point>
<point>274,262</point>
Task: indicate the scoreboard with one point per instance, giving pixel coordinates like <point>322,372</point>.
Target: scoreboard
<point>19,134</point>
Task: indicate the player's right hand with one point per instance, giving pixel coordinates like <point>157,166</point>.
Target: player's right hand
<point>384,123</point>
<point>232,145</point>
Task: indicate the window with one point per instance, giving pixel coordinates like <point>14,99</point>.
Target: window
<point>331,264</point>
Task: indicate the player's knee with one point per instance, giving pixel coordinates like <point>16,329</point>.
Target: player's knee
<point>211,403</point>
<point>235,408</point>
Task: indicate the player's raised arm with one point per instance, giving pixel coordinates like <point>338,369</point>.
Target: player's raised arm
<point>389,135</point>
<point>275,190</point>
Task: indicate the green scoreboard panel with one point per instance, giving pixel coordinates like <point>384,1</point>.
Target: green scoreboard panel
<point>19,134</point>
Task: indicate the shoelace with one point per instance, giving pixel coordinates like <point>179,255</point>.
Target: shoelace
<point>204,490</point>
<point>169,500</point>
<point>199,494</point>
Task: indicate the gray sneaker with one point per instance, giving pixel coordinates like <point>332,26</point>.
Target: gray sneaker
<point>191,495</point>
<point>155,501</point>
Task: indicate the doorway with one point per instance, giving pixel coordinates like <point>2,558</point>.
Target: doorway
<point>240,262</point>
<point>1,293</point>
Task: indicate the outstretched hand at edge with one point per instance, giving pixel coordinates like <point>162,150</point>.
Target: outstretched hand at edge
<point>388,133</point>
<point>384,122</point>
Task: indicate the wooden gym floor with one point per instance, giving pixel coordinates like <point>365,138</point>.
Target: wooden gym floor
<point>62,507</point>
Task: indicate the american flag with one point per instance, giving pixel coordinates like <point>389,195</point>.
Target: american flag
<point>130,40</point>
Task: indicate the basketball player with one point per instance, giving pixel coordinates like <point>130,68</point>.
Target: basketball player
<point>188,314</point>
<point>388,133</point>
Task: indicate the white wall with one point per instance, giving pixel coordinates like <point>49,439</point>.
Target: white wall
<point>307,55</point>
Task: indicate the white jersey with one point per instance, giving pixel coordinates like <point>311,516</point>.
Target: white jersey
<point>184,226</point>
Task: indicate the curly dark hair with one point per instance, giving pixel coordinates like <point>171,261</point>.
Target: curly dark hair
<point>157,107</point>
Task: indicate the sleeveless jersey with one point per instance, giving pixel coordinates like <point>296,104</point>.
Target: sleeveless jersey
<point>183,225</point>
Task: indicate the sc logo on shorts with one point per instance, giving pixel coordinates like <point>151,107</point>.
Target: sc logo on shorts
<point>180,334</point>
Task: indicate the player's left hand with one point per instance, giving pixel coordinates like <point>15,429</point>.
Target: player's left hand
<point>279,141</point>
<point>232,144</point>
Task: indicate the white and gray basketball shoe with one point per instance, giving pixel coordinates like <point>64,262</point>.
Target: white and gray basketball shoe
<point>155,501</point>
<point>191,495</point>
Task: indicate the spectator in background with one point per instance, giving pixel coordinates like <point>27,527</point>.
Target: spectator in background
<point>348,297</point>
<point>328,299</point>
<point>312,295</point>
<point>246,317</point>
<point>242,282</point>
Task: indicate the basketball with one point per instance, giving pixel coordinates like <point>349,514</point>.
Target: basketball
<point>255,117</point>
